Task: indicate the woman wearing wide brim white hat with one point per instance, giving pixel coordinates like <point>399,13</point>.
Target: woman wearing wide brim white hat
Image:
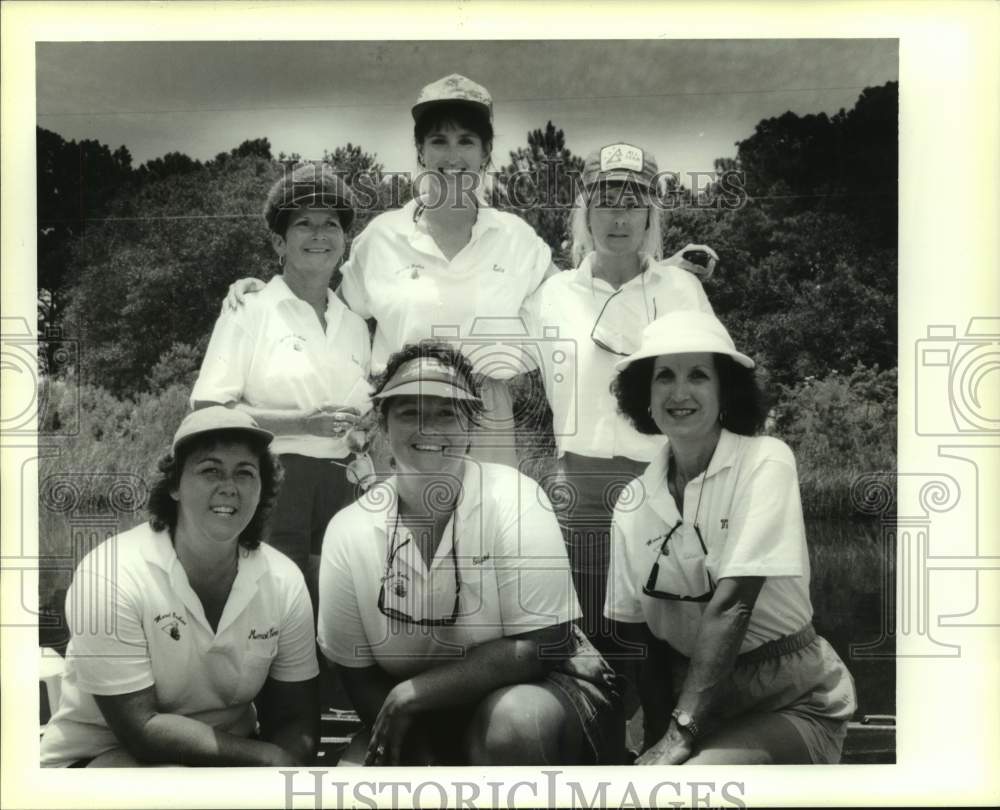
<point>710,557</point>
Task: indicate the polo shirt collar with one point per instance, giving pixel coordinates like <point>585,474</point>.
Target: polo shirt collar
<point>585,272</point>
<point>469,506</point>
<point>654,478</point>
<point>278,290</point>
<point>486,219</point>
<point>251,566</point>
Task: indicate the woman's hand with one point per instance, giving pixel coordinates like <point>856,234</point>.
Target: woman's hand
<point>391,726</point>
<point>674,748</point>
<point>238,291</point>
<point>700,260</point>
<point>330,422</point>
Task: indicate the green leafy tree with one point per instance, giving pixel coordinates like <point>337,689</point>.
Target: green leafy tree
<point>539,184</point>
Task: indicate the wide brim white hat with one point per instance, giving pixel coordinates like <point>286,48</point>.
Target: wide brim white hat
<point>683,332</point>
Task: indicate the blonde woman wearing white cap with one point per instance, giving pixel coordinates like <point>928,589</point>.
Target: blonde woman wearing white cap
<point>585,320</point>
<point>710,557</point>
<point>446,602</point>
<point>192,642</point>
<point>446,266</point>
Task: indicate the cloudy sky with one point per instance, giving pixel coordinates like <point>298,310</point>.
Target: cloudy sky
<point>688,101</point>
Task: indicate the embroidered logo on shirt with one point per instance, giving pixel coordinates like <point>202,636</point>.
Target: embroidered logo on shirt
<point>498,269</point>
<point>480,560</point>
<point>170,623</point>
<point>659,540</point>
<point>297,341</point>
<point>724,523</point>
<point>399,588</point>
<point>413,270</point>
<point>270,633</point>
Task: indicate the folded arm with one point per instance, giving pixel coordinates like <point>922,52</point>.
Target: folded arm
<point>717,645</point>
<point>152,736</point>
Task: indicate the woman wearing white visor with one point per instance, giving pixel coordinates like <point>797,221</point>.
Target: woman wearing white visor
<point>446,602</point>
<point>710,556</point>
<point>585,320</point>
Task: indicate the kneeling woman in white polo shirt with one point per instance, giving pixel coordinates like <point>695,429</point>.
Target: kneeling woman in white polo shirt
<point>446,600</point>
<point>709,556</point>
<point>192,642</point>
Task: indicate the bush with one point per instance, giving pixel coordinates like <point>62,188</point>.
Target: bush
<point>839,427</point>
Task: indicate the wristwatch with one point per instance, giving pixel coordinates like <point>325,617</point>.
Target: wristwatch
<point>685,722</point>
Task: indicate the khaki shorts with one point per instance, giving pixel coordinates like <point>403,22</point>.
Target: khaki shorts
<point>811,687</point>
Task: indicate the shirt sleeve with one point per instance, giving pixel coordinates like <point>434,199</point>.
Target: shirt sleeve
<point>341,632</point>
<point>226,366</point>
<point>704,305</point>
<point>296,658</point>
<point>766,527</point>
<point>622,602</point>
<point>352,285</point>
<point>531,320</point>
<point>540,260</point>
<point>108,652</point>
<point>533,575</point>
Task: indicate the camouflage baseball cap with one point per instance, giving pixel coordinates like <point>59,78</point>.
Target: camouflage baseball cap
<point>453,88</point>
<point>620,161</point>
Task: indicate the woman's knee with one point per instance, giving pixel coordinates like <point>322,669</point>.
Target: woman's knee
<point>761,739</point>
<point>520,725</point>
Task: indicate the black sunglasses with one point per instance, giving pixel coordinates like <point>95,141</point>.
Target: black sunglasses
<point>603,344</point>
<point>650,587</point>
<point>402,616</point>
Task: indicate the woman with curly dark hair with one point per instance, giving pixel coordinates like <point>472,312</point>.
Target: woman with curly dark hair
<point>710,561</point>
<point>192,642</point>
<point>446,601</point>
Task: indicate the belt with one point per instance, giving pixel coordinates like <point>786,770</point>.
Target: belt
<point>780,646</point>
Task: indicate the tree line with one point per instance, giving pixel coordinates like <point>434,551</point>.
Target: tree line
<point>133,262</point>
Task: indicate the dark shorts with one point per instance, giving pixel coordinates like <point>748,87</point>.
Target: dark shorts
<point>588,689</point>
<point>313,491</point>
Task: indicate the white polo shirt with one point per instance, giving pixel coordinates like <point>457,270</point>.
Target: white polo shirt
<point>577,373</point>
<point>511,564</point>
<point>750,517</point>
<point>136,622</point>
<point>398,275</point>
<point>273,353</point>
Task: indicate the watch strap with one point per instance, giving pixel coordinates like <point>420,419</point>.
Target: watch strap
<point>686,722</point>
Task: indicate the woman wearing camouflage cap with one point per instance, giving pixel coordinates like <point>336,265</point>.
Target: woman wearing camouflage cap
<point>297,359</point>
<point>445,265</point>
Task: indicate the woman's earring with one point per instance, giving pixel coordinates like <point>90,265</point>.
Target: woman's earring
<point>281,260</point>
<point>722,418</point>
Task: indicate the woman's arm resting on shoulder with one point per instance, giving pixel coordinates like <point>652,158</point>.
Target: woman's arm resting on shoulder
<point>157,737</point>
<point>720,635</point>
<point>238,291</point>
<point>289,716</point>
<point>501,662</point>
